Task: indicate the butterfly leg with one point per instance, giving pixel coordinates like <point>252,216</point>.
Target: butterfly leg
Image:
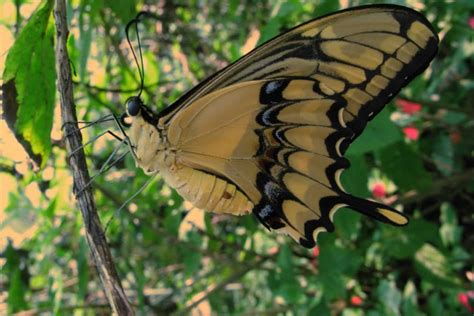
<point>117,211</point>
<point>95,138</point>
<point>109,163</point>
<point>105,167</point>
<point>88,124</point>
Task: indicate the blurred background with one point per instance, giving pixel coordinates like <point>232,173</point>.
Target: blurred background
<point>417,156</point>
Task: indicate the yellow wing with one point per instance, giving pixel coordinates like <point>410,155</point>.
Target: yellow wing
<point>279,142</point>
<point>277,122</point>
<point>365,54</point>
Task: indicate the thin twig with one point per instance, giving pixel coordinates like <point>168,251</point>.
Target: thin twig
<point>77,163</point>
<point>454,182</point>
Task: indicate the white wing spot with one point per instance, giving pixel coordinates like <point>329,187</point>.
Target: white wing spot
<point>266,211</point>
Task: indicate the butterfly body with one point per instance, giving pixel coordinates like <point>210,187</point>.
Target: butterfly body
<point>154,153</point>
<point>268,133</point>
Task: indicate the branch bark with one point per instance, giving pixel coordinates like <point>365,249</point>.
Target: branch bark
<point>77,163</point>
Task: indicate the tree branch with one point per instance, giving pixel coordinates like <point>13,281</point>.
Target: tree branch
<point>442,187</point>
<point>212,288</point>
<point>77,163</point>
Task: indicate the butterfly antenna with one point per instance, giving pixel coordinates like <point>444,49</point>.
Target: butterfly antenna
<point>117,211</point>
<point>139,59</point>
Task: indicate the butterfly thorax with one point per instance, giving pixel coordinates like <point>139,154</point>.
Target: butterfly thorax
<point>150,145</point>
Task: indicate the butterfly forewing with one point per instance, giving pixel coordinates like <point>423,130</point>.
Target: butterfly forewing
<point>342,50</point>
<point>270,130</point>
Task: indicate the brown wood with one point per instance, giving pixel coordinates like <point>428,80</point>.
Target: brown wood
<point>94,233</point>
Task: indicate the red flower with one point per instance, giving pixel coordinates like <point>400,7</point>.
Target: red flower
<point>411,132</point>
<point>316,251</point>
<point>471,22</point>
<point>408,107</point>
<point>314,260</point>
<point>273,250</point>
<point>356,300</point>
<point>378,190</point>
<point>463,298</point>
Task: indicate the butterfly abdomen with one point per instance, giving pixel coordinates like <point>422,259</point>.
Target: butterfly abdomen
<point>208,192</point>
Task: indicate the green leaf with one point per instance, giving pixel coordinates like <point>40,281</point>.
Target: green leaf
<point>336,264</point>
<point>410,299</point>
<point>83,269</point>
<point>321,308</point>
<point>453,117</point>
<point>327,6</point>
<point>390,297</point>
<point>29,85</point>
<point>140,280</point>
<point>379,133</point>
<point>15,269</point>
<point>287,284</point>
<point>124,9</point>
<point>374,313</point>
<point>443,154</point>
<point>352,312</point>
<point>449,231</point>
<point>192,259</point>
<point>57,291</point>
<point>435,267</point>
<point>355,178</point>
<point>402,243</point>
<point>16,292</point>
<point>435,305</point>
<point>347,223</point>
<point>270,30</point>
<point>85,35</point>
<point>400,157</point>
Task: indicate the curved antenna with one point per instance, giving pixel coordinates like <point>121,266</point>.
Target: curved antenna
<point>141,68</point>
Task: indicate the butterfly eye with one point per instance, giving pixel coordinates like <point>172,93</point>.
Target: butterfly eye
<point>134,105</point>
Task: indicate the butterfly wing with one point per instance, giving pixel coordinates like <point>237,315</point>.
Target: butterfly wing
<point>365,54</point>
<point>280,143</point>
<point>277,122</point>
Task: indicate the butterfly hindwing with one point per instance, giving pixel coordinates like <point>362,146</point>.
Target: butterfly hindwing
<point>274,148</point>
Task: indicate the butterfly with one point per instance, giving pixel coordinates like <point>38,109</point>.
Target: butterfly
<point>267,134</point>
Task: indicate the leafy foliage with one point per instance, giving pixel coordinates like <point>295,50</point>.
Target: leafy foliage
<point>416,155</point>
<point>32,56</point>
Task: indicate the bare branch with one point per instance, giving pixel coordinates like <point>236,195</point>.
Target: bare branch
<point>77,163</point>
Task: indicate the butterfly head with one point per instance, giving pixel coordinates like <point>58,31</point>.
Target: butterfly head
<point>146,139</point>
<point>134,106</point>
<point>134,109</point>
